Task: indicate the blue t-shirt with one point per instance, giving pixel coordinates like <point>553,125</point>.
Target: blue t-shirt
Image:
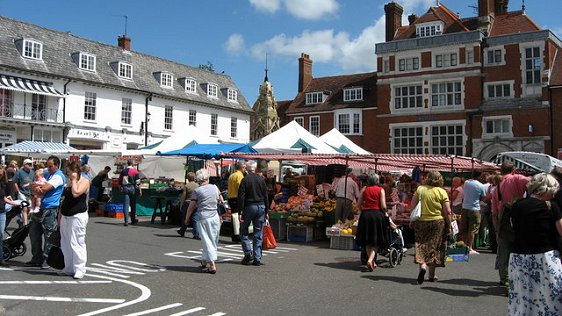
<point>23,177</point>
<point>52,197</point>
<point>473,191</point>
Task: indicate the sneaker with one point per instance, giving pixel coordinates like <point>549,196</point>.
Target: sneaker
<point>473,252</point>
<point>79,275</point>
<point>180,233</point>
<point>44,265</point>
<point>32,264</point>
<point>257,263</point>
<point>247,260</point>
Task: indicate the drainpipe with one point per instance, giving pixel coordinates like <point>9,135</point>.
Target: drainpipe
<point>65,129</point>
<point>148,98</point>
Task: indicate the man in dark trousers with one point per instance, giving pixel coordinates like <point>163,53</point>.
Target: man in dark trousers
<point>129,180</point>
<point>234,181</point>
<point>253,203</point>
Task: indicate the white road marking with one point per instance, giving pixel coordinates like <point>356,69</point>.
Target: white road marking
<point>189,311</point>
<point>61,299</point>
<point>54,282</point>
<point>218,314</point>
<point>161,308</point>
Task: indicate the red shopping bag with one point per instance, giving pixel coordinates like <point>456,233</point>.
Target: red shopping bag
<point>269,241</point>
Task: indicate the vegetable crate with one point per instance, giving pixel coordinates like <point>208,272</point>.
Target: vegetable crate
<point>457,254</point>
<point>342,242</point>
<point>300,233</point>
<point>278,227</point>
<point>332,232</point>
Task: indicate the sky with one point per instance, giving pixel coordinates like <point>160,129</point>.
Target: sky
<point>235,36</point>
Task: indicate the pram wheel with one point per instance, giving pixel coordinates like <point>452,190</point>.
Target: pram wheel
<point>7,252</point>
<point>393,257</point>
<point>20,250</point>
<point>400,257</point>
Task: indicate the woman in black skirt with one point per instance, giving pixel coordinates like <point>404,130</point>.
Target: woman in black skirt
<point>372,228</point>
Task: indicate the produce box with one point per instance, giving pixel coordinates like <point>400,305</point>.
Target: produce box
<point>300,233</point>
<point>279,228</point>
<point>342,242</point>
<point>457,258</point>
<point>111,207</point>
<point>457,250</point>
<point>115,214</point>
<point>333,231</point>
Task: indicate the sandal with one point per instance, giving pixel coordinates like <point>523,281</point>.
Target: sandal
<point>203,265</point>
<point>371,266</point>
<point>434,279</point>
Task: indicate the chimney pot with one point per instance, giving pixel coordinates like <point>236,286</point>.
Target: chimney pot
<point>124,42</point>
<point>412,18</point>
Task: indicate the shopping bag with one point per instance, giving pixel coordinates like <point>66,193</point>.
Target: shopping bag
<point>269,241</point>
<point>416,212</point>
<point>56,258</point>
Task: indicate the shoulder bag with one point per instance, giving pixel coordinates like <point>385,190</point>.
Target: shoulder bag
<point>415,214</point>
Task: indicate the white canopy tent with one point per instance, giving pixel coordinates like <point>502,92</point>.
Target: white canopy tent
<point>292,138</point>
<point>177,141</point>
<point>341,143</point>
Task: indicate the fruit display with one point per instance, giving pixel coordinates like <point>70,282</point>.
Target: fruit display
<point>347,228</point>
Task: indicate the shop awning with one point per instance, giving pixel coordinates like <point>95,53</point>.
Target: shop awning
<point>208,151</point>
<point>28,85</point>
<point>30,146</point>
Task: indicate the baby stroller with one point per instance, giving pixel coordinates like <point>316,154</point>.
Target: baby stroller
<point>13,212</point>
<point>395,249</point>
<point>14,245</point>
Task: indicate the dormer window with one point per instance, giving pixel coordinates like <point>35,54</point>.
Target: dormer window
<point>190,85</point>
<point>87,61</point>
<point>429,29</point>
<point>315,98</point>
<point>232,95</point>
<point>353,94</point>
<point>212,91</point>
<point>166,80</point>
<point>32,49</point>
<point>125,70</point>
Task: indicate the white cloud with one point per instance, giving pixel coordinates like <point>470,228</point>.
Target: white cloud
<point>235,44</point>
<point>311,9</point>
<point>270,6</point>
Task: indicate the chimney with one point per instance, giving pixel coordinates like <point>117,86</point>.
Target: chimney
<point>501,7</point>
<point>305,71</point>
<point>412,18</point>
<point>124,42</point>
<point>393,13</point>
<point>485,8</point>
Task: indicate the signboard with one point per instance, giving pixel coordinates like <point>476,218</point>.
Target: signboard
<point>86,134</point>
<point>7,136</point>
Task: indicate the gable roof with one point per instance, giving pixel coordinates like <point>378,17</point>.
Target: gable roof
<point>333,86</point>
<point>452,22</point>
<point>60,47</point>
<point>512,22</point>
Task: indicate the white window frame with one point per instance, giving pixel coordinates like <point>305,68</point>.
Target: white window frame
<point>353,94</point>
<point>351,117</point>
<point>90,106</point>
<point>126,111</point>
<point>386,66</point>
<point>168,117</point>
<point>214,124</point>
<point>534,87</point>
<point>233,127</point>
<point>407,139</point>
<point>494,56</point>
<point>212,90</point>
<point>446,60</point>
<point>87,61</point>
<point>499,86</point>
<point>125,70</point>
<point>299,120</point>
<point>315,97</point>
<point>443,93</point>
<point>399,99</point>
<point>314,125</point>
<point>429,29</point>
<point>190,85</point>
<point>32,49</point>
<point>469,56</point>
<point>232,95</point>
<point>502,126</point>
<point>408,64</point>
<point>192,120</point>
<point>166,80</point>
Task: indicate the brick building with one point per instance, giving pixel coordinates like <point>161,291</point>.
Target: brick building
<point>444,84</point>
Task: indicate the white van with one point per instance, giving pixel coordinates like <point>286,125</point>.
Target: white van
<point>530,160</point>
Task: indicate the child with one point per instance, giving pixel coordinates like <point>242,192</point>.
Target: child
<point>35,198</point>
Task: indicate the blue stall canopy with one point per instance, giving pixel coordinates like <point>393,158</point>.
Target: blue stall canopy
<point>208,151</point>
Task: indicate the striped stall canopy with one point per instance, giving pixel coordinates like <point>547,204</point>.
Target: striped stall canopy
<point>30,146</point>
<point>28,85</point>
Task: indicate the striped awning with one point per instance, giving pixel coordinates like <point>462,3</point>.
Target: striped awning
<point>30,146</point>
<point>28,85</point>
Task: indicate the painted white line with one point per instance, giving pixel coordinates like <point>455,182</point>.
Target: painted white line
<point>155,309</point>
<point>189,311</point>
<point>54,282</point>
<point>61,299</point>
<point>218,314</point>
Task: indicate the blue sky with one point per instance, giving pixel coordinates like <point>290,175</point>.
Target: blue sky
<point>234,35</point>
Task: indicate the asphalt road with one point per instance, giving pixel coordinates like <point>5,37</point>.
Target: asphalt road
<point>148,269</point>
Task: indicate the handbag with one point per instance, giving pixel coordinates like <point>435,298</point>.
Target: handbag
<point>269,241</point>
<point>415,214</point>
<point>55,259</point>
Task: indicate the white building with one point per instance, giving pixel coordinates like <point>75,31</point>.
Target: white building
<point>57,87</point>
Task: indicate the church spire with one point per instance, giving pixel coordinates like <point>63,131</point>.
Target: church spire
<point>266,79</point>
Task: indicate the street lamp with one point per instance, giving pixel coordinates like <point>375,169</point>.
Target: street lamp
<point>146,118</point>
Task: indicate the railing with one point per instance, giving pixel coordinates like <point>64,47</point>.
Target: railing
<point>29,112</point>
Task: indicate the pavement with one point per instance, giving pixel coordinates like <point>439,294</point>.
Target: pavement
<point>148,269</point>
